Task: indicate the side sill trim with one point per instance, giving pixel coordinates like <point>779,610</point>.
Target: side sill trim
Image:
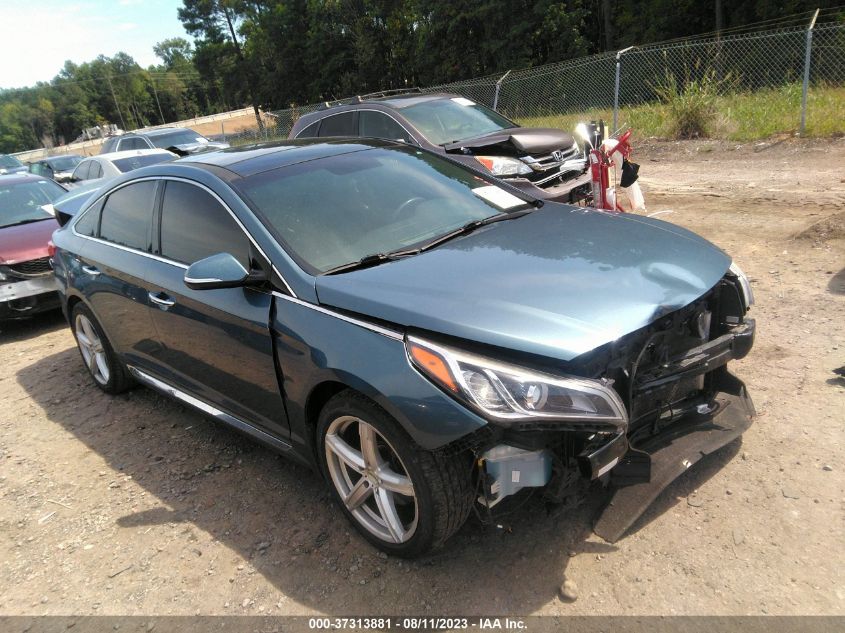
<point>214,412</point>
<point>378,329</point>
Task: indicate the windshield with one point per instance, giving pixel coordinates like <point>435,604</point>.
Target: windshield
<point>337,210</point>
<point>9,161</point>
<point>64,163</point>
<point>134,162</point>
<point>180,137</point>
<point>446,121</point>
<point>21,202</point>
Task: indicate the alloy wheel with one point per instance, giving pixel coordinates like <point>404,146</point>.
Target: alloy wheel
<point>371,479</point>
<point>92,350</point>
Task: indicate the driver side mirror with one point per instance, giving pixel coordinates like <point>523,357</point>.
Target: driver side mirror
<point>220,271</point>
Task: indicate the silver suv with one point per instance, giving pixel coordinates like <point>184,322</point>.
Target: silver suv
<point>179,140</point>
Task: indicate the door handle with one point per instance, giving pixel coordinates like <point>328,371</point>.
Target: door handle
<point>161,301</point>
<point>91,271</point>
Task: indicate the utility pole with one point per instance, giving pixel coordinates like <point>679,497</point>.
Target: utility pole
<point>116,104</point>
<point>158,103</point>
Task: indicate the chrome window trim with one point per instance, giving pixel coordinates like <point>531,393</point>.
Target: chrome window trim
<point>206,408</point>
<point>387,114</point>
<point>167,260</point>
<point>378,329</point>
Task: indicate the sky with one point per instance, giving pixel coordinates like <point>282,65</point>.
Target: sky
<point>38,36</point>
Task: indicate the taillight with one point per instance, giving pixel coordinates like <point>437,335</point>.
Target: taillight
<point>51,249</point>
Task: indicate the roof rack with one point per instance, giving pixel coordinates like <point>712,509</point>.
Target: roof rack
<point>338,102</point>
<point>392,93</point>
<point>371,95</point>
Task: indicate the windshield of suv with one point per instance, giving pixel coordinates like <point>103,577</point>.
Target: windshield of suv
<point>134,162</point>
<point>64,163</point>
<point>21,202</point>
<point>446,121</point>
<point>9,161</point>
<point>337,210</point>
<point>179,137</point>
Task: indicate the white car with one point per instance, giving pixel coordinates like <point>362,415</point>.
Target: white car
<point>115,163</point>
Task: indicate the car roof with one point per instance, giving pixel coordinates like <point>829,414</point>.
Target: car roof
<point>47,159</point>
<point>20,178</point>
<point>127,153</point>
<point>246,160</point>
<point>162,130</point>
<point>407,100</point>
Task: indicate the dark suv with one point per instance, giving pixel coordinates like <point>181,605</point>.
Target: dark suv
<point>180,140</point>
<point>545,163</point>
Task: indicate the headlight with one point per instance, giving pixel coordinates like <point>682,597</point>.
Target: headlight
<point>509,393</point>
<point>744,284</point>
<point>504,165</point>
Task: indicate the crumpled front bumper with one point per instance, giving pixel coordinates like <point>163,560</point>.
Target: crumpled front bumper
<point>672,452</point>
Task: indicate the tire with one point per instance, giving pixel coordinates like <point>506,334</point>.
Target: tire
<point>102,364</point>
<point>440,486</point>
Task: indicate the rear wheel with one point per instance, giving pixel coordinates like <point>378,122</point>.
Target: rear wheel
<point>401,498</point>
<point>97,353</point>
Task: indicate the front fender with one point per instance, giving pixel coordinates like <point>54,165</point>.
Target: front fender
<point>314,346</point>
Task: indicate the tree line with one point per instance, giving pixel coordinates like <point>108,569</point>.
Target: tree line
<point>274,54</point>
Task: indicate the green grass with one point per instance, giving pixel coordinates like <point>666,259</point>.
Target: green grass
<point>744,116</point>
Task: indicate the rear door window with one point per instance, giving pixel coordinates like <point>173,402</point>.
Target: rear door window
<point>96,170</point>
<point>127,214</point>
<point>194,225</point>
<point>378,125</point>
<point>339,125</point>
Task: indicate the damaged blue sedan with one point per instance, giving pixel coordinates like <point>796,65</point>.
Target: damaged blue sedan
<point>423,335</point>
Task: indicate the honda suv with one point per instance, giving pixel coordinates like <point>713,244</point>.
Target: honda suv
<point>543,162</point>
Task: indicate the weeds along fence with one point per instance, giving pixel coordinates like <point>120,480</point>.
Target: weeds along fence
<point>731,65</point>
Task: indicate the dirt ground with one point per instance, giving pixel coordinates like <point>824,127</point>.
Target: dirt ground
<point>135,505</point>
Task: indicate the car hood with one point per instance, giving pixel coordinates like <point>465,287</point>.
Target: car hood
<point>522,140</point>
<point>557,282</point>
<point>25,242</point>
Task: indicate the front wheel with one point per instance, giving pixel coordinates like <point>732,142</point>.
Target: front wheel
<point>401,498</point>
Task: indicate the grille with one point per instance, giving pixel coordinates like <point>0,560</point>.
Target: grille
<point>547,169</point>
<point>32,268</point>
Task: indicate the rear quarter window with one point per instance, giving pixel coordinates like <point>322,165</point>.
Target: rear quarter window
<point>310,131</point>
<point>126,215</point>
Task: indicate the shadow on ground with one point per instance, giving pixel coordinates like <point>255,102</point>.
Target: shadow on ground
<point>279,515</point>
<point>31,327</point>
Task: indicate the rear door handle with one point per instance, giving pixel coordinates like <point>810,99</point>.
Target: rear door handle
<point>91,271</point>
<point>161,300</point>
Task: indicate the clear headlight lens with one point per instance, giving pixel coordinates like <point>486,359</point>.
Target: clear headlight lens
<point>512,393</point>
<point>504,165</point>
<point>744,284</point>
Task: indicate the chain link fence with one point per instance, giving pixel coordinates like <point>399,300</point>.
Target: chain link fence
<point>765,63</point>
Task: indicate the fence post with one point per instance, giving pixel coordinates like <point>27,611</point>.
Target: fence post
<point>499,87</point>
<point>807,55</point>
<point>616,89</point>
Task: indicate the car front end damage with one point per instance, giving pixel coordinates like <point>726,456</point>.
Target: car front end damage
<point>633,414</point>
<point>27,288</point>
<point>544,163</point>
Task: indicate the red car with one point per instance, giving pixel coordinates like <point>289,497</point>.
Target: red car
<point>27,284</point>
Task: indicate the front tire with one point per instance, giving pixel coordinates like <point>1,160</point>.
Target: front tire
<point>102,363</point>
<point>404,500</point>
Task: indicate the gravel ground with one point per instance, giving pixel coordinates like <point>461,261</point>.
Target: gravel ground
<point>135,505</point>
